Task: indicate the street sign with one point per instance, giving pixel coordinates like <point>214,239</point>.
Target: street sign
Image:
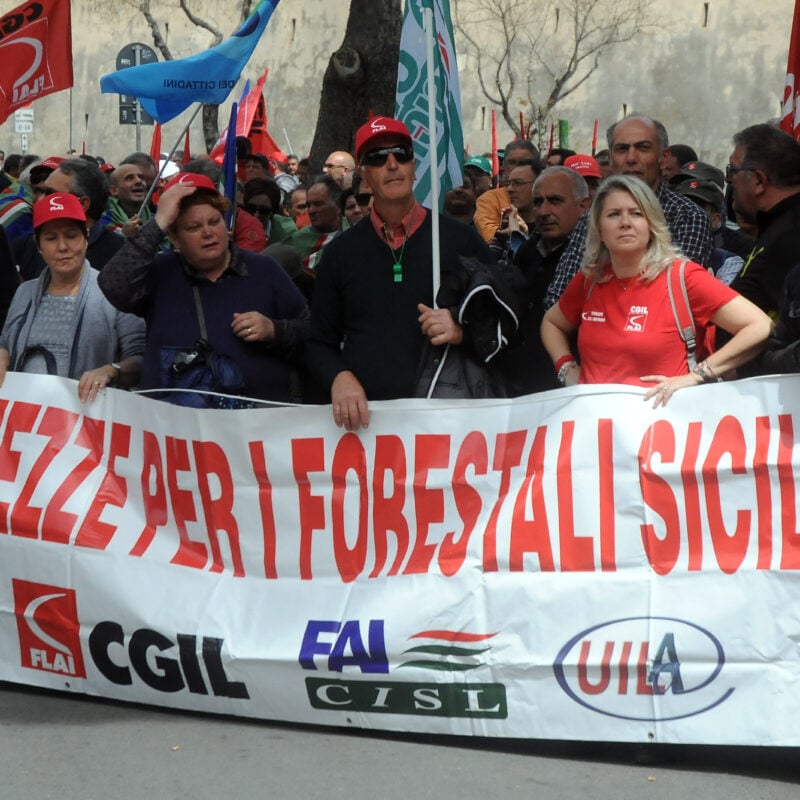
<point>132,55</point>
<point>22,126</point>
<point>23,115</point>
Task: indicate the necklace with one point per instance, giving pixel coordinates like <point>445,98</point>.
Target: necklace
<point>397,266</point>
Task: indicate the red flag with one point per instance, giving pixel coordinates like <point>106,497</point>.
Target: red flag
<point>251,122</point>
<point>594,138</point>
<point>155,144</point>
<point>249,106</point>
<point>35,53</point>
<point>187,156</point>
<point>258,134</point>
<point>790,115</point>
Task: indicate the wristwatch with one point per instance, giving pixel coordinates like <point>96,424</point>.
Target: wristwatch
<point>118,368</point>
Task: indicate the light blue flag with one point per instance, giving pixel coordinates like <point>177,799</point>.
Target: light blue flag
<point>166,88</point>
<point>412,98</point>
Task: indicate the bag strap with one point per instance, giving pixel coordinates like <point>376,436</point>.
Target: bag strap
<point>682,311</point>
<point>201,317</point>
<point>36,349</point>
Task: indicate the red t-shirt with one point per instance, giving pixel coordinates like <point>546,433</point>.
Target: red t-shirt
<point>626,328</point>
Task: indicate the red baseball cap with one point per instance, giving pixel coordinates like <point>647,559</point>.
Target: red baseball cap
<point>57,206</point>
<point>379,127</point>
<point>51,163</point>
<point>200,181</point>
<point>584,165</point>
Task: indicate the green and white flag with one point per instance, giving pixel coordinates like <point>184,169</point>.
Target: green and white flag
<point>412,97</point>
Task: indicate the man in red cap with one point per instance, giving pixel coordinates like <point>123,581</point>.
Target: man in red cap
<point>588,168</point>
<point>373,309</point>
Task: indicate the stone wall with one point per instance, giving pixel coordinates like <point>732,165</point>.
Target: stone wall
<point>704,81</point>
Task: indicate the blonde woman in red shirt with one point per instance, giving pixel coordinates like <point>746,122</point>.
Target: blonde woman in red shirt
<point>619,304</point>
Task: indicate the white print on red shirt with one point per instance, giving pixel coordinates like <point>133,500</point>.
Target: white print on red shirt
<point>593,316</point>
<point>637,319</point>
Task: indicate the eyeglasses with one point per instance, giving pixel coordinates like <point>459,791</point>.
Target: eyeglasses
<point>46,191</point>
<point>731,170</point>
<point>257,210</point>
<point>403,153</point>
<point>516,183</point>
<point>330,166</point>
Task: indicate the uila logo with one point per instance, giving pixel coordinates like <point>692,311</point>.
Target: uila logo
<point>643,668</point>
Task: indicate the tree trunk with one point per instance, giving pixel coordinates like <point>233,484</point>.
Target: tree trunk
<point>361,79</point>
<point>210,125</point>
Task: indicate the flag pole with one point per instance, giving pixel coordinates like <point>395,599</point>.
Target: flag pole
<point>433,152</point>
<point>495,155</point>
<point>167,160</point>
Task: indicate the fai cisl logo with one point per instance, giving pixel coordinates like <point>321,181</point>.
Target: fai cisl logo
<point>48,627</point>
<point>351,646</point>
<point>646,669</point>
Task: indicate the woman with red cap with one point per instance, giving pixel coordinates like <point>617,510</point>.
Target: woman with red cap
<point>221,321</point>
<point>60,323</point>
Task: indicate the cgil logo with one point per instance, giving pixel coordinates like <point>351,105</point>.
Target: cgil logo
<point>352,647</point>
<point>48,628</point>
<point>152,656</point>
<point>643,668</point>
<point>49,638</point>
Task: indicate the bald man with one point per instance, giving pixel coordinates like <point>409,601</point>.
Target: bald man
<point>340,165</point>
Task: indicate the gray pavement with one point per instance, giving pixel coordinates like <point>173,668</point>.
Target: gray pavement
<point>69,747</point>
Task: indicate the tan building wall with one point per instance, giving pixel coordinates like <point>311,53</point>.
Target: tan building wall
<point>705,78</point>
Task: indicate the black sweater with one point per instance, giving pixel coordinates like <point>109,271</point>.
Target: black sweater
<point>364,321</point>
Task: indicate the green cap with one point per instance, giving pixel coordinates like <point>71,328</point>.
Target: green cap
<point>481,162</point>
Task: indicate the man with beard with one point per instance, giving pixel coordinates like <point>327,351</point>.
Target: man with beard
<point>459,203</point>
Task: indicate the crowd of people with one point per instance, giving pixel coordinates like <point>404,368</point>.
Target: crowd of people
<point>640,265</point>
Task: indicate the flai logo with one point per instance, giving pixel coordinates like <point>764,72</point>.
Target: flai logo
<point>48,627</point>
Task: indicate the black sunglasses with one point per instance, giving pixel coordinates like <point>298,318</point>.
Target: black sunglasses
<point>403,153</point>
<point>257,210</point>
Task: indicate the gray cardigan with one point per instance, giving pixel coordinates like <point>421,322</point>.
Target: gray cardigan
<point>100,333</point>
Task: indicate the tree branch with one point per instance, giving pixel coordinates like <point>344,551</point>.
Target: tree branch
<point>201,23</point>
<point>558,40</point>
<point>155,29</point>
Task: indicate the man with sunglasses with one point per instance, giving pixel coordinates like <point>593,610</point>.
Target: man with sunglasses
<point>764,174</point>
<point>339,165</point>
<point>86,181</point>
<point>373,305</point>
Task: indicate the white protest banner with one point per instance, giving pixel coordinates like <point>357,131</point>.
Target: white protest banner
<point>573,565</point>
